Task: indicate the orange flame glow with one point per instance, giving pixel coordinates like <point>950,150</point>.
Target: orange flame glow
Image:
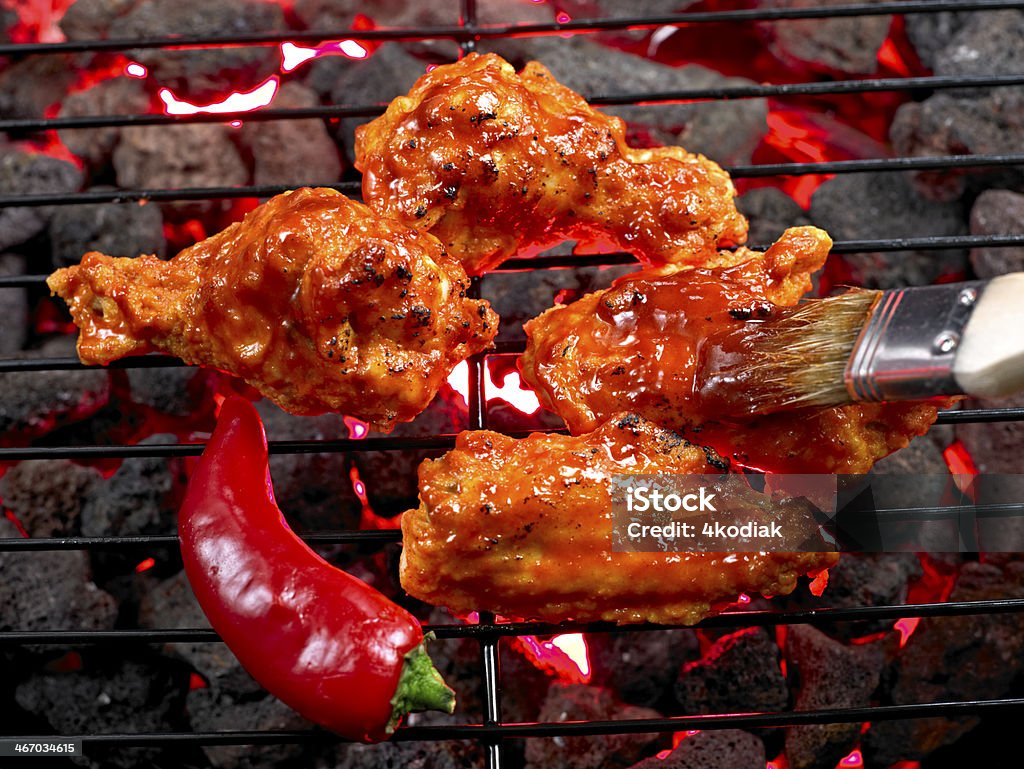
<point>510,390</point>
<point>145,565</point>
<point>852,761</point>
<point>906,626</point>
<point>239,101</point>
<point>293,56</point>
<point>565,656</point>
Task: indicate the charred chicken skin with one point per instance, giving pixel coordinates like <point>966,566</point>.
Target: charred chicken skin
<point>523,528</point>
<point>496,163</point>
<point>637,345</point>
<point>313,299</point>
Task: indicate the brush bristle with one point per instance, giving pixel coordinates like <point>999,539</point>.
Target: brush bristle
<point>799,359</point>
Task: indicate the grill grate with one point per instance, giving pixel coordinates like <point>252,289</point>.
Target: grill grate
<point>492,731</point>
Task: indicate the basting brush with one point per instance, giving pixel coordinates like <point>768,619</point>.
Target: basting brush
<point>869,346</point>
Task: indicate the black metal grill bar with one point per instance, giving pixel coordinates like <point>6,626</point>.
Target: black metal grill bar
<point>468,32</point>
<point>494,631</point>
<point>125,451</point>
<point>160,195</point>
<point>948,163</point>
<point>161,540</point>
<point>32,544</point>
<point>560,729</point>
<point>723,93</point>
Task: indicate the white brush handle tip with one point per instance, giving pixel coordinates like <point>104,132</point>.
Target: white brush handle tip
<point>990,360</point>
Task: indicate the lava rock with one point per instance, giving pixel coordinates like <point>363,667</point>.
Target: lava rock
<point>446,754</point>
<point>844,45</point>
<point>726,131</point>
<point>579,702</point>
<point>341,14</point>
<point>720,749</point>
<point>995,447</point>
<point>50,589</point>
<point>830,675</point>
<point>523,684</point>
<point>864,579</point>
<point>91,19</point>
<point>870,206</point>
<point>29,86</point>
<point>947,125</point>
<point>127,696</point>
<point>173,390</point>
<point>13,307</point>
<point>770,212</point>
<point>504,12</point>
<point>390,72</point>
<point>918,476</point>
<point>987,44</point>
<point>390,477</point>
<point>35,402</point>
<point>930,33</point>
<point>739,673</point>
<point>29,173</point>
<point>212,710</point>
<point>140,498</point>
<point>171,604</point>
<point>203,73</point>
<point>974,657</point>
<point>974,120</point>
<point>521,296</point>
<point>116,96</point>
<point>115,229</point>
<point>313,490</point>
<point>292,152</point>
<point>46,496</point>
<point>640,667</point>
<point>997,212</point>
<point>178,156</point>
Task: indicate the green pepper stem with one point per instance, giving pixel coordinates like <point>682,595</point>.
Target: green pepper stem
<point>420,687</point>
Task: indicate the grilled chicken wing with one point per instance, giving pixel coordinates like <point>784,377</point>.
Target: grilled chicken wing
<point>496,164</point>
<point>636,347</point>
<point>313,299</point>
<point>523,528</point>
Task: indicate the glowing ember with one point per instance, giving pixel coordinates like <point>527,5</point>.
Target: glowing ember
<point>293,56</point>
<point>239,101</point>
<point>145,565</point>
<point>819,583</point>
<point>67,663</point>
<point>510,390</point>
<point>661,755</point>
<point>743,598</point>
<point>358,486</point>
<point>961,466</point>
<point>563,18</point>
<point>196,681</point>
<point>906,626</point>
<point>575,647</point>
<point>678,737</point>
<point>136,70</point>
<point>357,428</point>
<point>17,524</point>
<point>565,656</point>
<point>854,759</point>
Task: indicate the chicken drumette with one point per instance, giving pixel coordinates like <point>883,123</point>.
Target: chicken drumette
<point>637,346</point>
<point>313,299</point>
<point>496,163</point>
<point>524,528</point>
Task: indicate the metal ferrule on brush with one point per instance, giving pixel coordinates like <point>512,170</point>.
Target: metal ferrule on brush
<point>907,348</point>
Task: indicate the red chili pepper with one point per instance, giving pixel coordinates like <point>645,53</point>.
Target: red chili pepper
<point>323,642</point>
